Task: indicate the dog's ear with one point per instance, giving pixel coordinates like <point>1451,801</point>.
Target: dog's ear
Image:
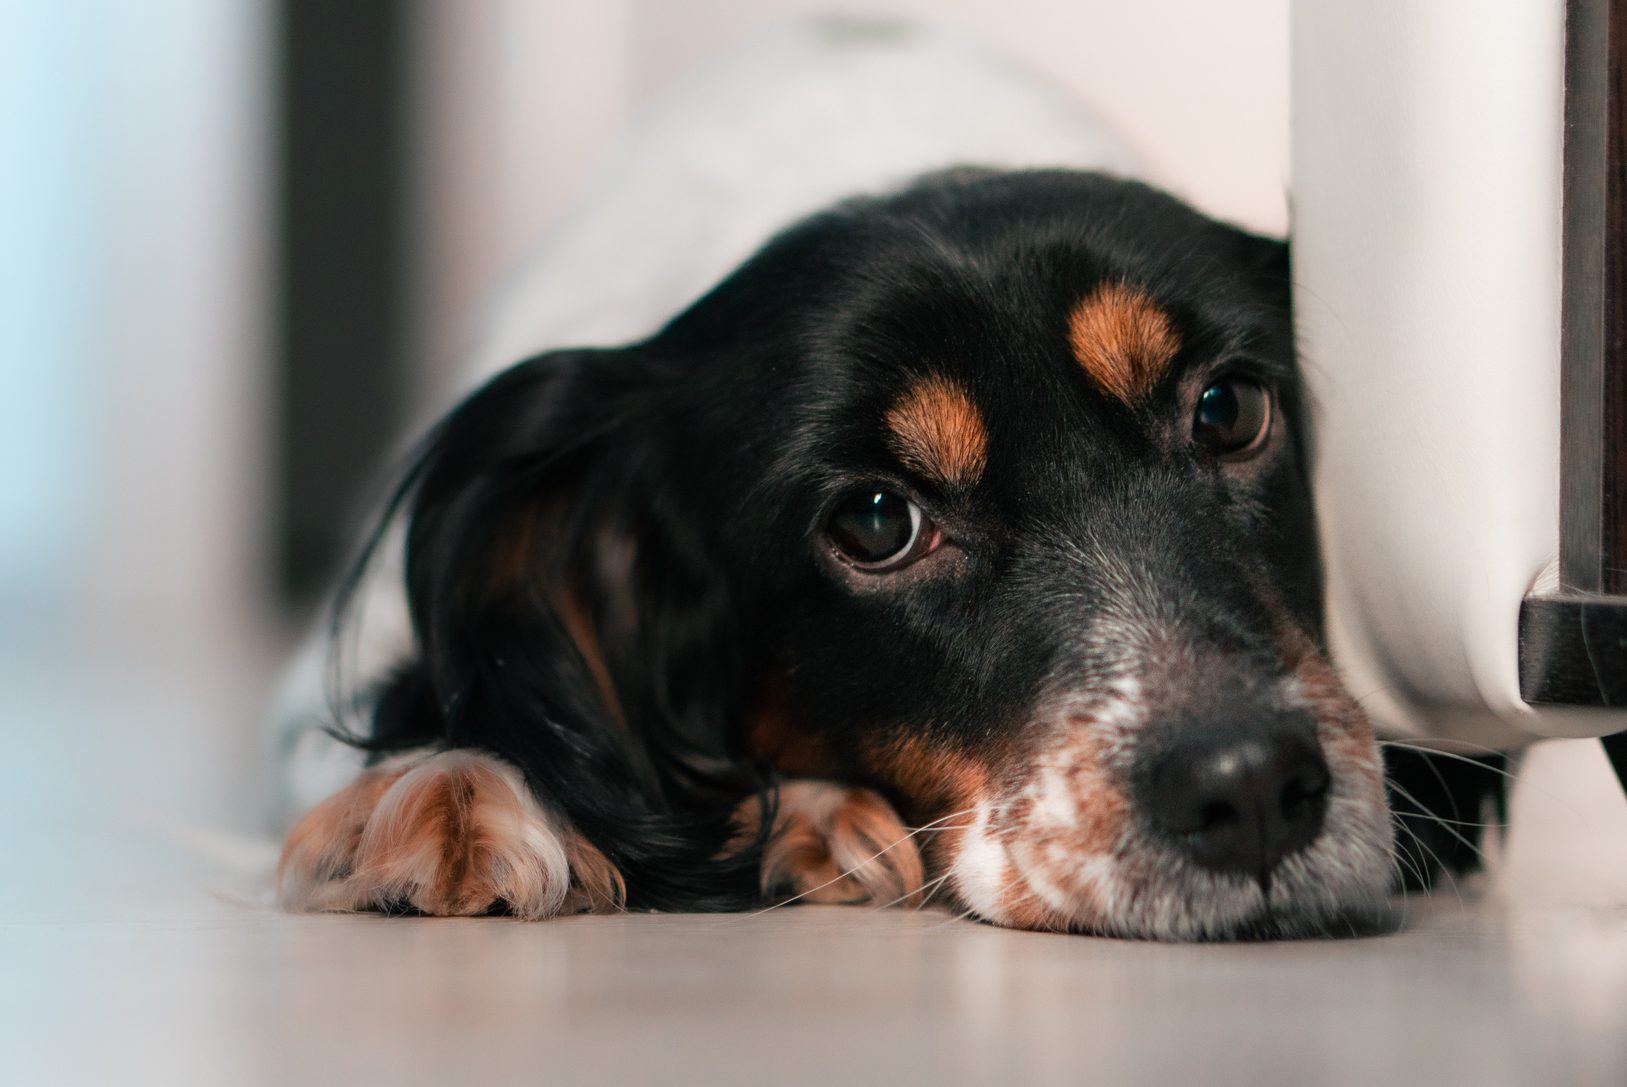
<point>565,620</point>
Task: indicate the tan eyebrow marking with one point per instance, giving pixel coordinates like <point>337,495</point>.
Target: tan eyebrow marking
<point>1122,340</point>
<point>937,431</point>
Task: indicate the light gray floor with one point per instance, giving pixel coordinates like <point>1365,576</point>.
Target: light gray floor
<point>136,947</point>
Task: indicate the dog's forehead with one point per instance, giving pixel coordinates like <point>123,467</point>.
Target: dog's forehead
<point>959,342</point>
<point>1100,349</point>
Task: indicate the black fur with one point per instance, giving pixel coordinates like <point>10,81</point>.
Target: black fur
<point>497,671</point>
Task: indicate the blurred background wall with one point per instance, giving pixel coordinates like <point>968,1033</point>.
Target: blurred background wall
<point>145,210</point>
<point>243,244</point>
<point>520,99</point>
<point>133,270</point>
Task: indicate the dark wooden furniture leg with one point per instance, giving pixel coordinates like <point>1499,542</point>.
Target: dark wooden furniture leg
<point>1573,643</point>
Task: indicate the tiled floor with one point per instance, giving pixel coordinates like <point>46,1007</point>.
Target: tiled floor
<point>136,947</point>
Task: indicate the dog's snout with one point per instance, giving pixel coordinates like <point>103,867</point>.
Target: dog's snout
<point>1239,798</point>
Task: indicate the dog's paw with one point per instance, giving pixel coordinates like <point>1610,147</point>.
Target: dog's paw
<point>451,834</point>
<point>836,844</point>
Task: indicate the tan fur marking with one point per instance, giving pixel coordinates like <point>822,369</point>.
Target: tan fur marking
<point>772,735</point>
<point>1347,737</point>
<point>518,554</point>
<point>523,562</point>
<point>1122,340</point>
<point>933,779</point>
<point>1074,812</point>
<point>937,431</point>
<point>579,627</point>
<point>1023,909</point>
<point>1103,810</point>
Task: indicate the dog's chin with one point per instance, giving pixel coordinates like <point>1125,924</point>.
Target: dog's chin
<point>1234,910</point>
<point>1210,908</point>
<point>1337,887</point>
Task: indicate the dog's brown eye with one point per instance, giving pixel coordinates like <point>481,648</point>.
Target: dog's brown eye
<point>1233,416</point>
<point>879,530</point>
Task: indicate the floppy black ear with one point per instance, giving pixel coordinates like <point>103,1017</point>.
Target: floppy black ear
<point>565,621</point>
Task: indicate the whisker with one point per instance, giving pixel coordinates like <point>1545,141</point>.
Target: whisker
<point>1441,819</point>
<point>1445,871</point>
<point>1513,778</point>
<point>1418,743</point>
<point>907,895</point>
<point>938,884</point>
<point>1423,750</point>
<point>1444,824</point>
<point>1400,863</point>
<point>1446,789</point>
<point>1360,699</point>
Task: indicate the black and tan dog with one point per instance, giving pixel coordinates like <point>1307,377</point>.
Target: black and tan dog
<point>958,547</point>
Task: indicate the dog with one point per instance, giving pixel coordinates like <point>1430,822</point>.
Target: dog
<point>957,548</point>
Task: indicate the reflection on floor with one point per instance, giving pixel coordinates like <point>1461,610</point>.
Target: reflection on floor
<point>136,947</point>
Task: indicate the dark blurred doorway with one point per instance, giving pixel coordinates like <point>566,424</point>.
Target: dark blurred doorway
<point>342,273</point>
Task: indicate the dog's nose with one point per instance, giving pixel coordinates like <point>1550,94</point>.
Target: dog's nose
<point>1240,798</point>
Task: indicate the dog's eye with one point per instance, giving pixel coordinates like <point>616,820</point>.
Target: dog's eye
<point>879,530</point>
<point>1233,416</point>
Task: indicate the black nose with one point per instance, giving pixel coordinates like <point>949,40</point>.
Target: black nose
<point>1239,797</point>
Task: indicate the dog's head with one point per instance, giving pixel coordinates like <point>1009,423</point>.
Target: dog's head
<point>991,496</point>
